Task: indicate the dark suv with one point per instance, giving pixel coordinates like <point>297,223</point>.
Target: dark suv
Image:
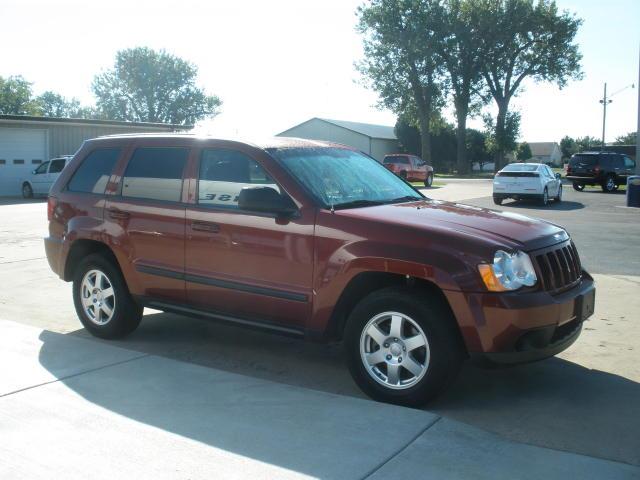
<point>609,170</point>
<point>315,240</point>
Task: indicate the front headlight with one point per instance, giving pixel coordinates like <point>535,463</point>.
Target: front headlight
<point>509,271</point>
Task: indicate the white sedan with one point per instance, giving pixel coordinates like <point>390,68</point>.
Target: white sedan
<point>527,181</point>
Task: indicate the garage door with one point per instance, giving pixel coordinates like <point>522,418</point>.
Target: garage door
<point>21,150</point>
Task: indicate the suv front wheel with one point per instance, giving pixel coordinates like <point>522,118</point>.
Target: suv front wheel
<point>402,347</point>
<point>102,300</point>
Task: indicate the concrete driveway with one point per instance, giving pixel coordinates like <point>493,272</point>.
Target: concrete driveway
<point>586,401</point>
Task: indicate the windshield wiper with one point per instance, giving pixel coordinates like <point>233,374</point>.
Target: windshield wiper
<point>406,198</point>
<point>357,203</point>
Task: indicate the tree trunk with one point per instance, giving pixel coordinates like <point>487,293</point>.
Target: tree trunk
<point>425,139</point>
<point>503,106</point>
<point>461,139</point>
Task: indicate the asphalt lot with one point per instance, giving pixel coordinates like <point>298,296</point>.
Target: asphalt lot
<point>587,400</point>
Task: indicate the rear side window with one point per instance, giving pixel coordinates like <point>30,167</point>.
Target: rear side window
<point>56,166</point>
<point>223,173</point>
<point>155,173</point>
<point>398,160</point>
<point>583,160</point>
<point>94,172</point>
<point>629,163</point>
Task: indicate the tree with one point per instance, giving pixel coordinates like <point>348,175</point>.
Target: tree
<point>152,86</point>
<point>51,104</point>
<point>408,136</point>
<point>524,40</point>
<point>462,59</point>
<point>587,143</point>
<point>476,148</point>
<point>16,97</point>
<point>568,146</point>
<point>508,139</point>
<point>628,139</point>
<point>400,60</point>
<point>523,152</point>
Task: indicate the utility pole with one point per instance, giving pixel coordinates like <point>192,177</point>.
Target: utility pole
<point>604,101</point>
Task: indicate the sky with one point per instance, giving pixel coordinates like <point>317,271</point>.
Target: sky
<point>277,63</point>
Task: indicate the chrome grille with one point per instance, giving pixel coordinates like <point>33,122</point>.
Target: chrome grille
<point>558,267</point>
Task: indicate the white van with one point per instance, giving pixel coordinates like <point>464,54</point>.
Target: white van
<point>41,179</point>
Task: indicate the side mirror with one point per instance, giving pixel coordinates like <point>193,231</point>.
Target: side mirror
<point>265,199</point>
<point>558,176</point>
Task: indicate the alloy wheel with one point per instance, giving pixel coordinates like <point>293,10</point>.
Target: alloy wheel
<point>394,350</point>
<point>98,297</point>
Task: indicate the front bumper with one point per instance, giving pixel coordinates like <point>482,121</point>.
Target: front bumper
<point>518,327</point>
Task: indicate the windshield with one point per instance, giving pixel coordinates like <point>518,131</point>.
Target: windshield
<point>344,178</point>
<point>398,159</point>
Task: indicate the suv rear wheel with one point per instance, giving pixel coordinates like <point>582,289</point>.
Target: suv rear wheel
<point>609,185</point>
<point>402,347</point>
<point>102,300</point>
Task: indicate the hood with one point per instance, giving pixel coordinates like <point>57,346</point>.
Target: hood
<point>505,228</point>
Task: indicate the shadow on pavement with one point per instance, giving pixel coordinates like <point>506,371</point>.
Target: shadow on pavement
<point>564,205</point>
<point>553,403</point>
<point>20,200</point>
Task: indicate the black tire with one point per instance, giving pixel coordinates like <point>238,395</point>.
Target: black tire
<point>497,200</point>
<point>403,175</point>
<point>126,312</point>
<point>27,191</point>
<point>436,321</point>
<point>429,181</point>
<point>544,198</point>
<point>609,185</point>
<point>558,198</point>
<point>578,187</point>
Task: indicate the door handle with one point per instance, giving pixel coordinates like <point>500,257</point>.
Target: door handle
<point>117,214</point>
<point>201,226</point>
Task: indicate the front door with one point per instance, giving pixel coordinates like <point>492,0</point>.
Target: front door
<point>246,264</point>
<point>147,221</point>
<point>39,178</point>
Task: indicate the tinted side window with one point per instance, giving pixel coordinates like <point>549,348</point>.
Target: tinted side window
<point>94,172</point>
<point>616,161</point>
<point>56,166</point>
<point>223,173</point>
<point>155,173</point>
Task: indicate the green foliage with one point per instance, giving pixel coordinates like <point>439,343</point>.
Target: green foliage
<point>408,136</point>
<point>477,151</point>
<point>568,146</point>
<point>629,139</point>
<point>51,104</point>
<point>505,140</point>
<point>400,58</point>
<point>16,97</point>
<point>152,86</point>
<point>522,39</point>
<point>588,143</point>
<point>523,151</point>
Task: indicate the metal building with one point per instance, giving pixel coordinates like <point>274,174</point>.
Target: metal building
<point>375,140</point>
<point>27,141</point>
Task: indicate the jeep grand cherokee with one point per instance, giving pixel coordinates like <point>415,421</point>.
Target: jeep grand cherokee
<point>316,240</point>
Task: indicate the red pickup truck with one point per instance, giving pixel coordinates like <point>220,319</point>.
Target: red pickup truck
<point>315,240</point>
<point>409,167</point>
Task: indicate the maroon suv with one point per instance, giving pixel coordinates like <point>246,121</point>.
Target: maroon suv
<point>315,240</point>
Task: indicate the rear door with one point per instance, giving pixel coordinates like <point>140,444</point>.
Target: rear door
<point>146,218</point>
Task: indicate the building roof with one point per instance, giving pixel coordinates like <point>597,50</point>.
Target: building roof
<point>92,122</point>
<point>542,148</point>
<point>367,129</point>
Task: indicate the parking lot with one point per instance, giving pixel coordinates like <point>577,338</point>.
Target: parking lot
<point>585,401</point>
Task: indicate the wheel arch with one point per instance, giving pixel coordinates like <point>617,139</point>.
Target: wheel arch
<point>365,283</point>
<point>80,249</point>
